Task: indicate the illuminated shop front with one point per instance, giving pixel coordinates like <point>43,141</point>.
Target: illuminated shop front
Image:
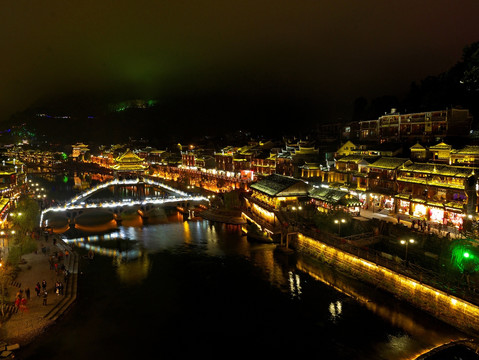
<point>361,195</point>
<point>419,210</point>
<point>388,202</point>
<point>404,206</point>
<point>454,217</point>
<point>381,201</point>
<point>436,215</point>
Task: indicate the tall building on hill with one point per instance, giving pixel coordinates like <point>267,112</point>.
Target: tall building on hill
<point>423,126</point>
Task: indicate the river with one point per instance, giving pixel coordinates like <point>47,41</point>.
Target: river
<point>194,288</point>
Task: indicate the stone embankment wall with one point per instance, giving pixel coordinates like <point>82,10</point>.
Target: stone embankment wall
<point>446,307</point>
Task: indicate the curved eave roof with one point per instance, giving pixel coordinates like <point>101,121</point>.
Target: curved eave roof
<point>124,167</point>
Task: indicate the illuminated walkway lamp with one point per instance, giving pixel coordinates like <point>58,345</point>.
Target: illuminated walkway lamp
<point>339,222</point>
<point>406,243</point>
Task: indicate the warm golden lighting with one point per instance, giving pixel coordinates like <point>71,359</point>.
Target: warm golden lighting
<point>448,308</point>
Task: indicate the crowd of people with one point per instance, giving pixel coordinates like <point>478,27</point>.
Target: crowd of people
<point>56,261</point>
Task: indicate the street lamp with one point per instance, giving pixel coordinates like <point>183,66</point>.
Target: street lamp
<point>407,242</point>
<point>339,221</point>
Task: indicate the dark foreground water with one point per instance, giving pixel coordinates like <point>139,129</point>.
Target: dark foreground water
<point>196,289</point>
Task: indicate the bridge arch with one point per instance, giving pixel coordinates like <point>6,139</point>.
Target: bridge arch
<point>78,205</point>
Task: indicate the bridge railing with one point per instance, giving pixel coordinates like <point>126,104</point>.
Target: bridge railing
<point>124,182</point>
<point>76,203</point>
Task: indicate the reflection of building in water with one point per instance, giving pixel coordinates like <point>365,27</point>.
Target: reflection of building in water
<point>133,272</point>
<point>294,285</point>
<point>119,254</point>
<point>335,309</point>
<point>132,265</point>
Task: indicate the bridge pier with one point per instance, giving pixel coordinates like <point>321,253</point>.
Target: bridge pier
<point>118,219</point>
<point>142,213</point>
<point>71,224</point>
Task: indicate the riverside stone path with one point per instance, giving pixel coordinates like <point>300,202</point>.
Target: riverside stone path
<point>23,326</point>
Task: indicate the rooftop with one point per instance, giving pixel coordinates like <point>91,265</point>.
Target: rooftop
<point>389,163</point>
<point>275,184</point>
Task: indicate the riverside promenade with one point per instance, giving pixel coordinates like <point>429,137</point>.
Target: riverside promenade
<point>22,326</point>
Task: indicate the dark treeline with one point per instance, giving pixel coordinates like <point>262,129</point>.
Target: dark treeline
<point>270,111</point>
<point>456,87</point>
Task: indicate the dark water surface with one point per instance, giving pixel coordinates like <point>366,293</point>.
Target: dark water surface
<point>197,289</point>
<point>192,288</point>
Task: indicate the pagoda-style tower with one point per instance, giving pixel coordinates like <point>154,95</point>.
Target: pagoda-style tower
<point>128,164</point>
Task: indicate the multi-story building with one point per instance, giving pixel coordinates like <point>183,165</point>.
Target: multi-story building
<point>436,192</point>
<point>224,159</point>
<point>423,126</point>
<point>381,182</point>
<point>469,156</point>
<point>79,150</point>
<point>441,153</point>
<point>284,163</point>
<point>419,153</point>
<point>129,163</point>
<point>264,163</point>
<point>351,171</point>
<point>188,158</point>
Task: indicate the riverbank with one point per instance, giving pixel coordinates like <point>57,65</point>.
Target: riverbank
<point>23,325</point>
<point>224,216</point>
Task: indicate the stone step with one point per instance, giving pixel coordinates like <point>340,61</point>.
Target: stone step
<point>70,293</point>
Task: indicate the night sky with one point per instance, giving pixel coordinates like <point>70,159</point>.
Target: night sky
<point>311,57</point>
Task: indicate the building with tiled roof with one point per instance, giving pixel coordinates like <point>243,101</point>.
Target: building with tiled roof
<point>328,200</point>
<point>129,162</point>
<point>468,155</point>
<point>278,190</point>
<point>381,182</point>
<point>441,152</point>
<point>418,152</point>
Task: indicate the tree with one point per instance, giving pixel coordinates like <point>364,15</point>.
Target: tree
<point>470,74</point>
<point>26,215</point>
<point>360,109</point>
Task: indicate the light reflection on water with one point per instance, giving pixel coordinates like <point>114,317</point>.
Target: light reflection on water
<point>408,333</point>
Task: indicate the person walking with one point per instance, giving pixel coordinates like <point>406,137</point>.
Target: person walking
<point>45,295</point>
<point>44,285</point>
<point>23,305</point>
<point>37,288</point>
<point>27,293</point>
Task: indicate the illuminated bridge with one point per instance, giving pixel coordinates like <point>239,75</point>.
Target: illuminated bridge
<point>118,196</point>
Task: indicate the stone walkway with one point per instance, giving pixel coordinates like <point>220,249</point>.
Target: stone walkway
<point>23,326</point>
<point>407,220</point>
